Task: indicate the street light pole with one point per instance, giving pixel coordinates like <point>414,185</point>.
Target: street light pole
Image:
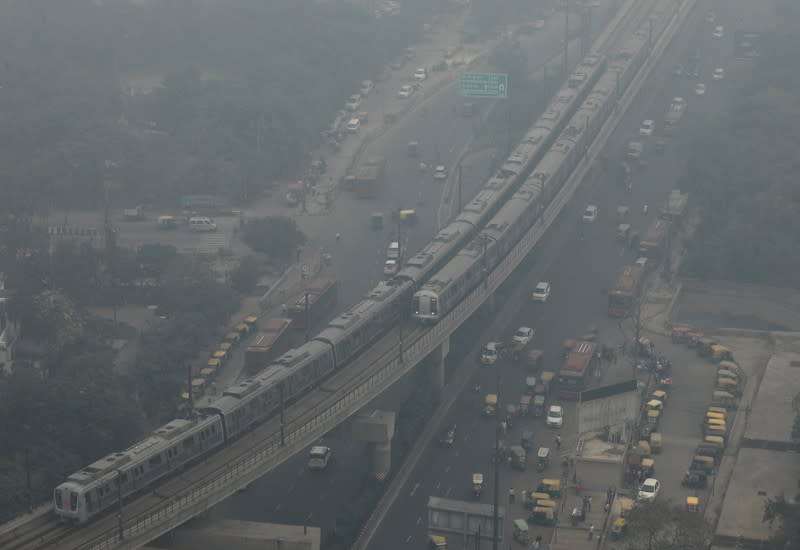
<point>496,511</point>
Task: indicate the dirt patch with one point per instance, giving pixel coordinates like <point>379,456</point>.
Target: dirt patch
<point>722,304</point>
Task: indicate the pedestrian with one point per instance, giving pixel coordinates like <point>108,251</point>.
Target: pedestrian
<point>537,544</point>
<point>511,496</point>
<point>589,501</point>
<point>591,531</point>
<point>558,442</point>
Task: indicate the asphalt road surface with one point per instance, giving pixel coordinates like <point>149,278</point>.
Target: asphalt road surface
<point>292,493</point>
<point>581,261</point>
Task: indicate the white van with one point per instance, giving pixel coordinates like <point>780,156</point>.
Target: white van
<point>202,224</point>
<point>319,457</point>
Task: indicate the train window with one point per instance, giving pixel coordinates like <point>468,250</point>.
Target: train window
<point>188,443</point>
<point>123,477</point>
<point>59,501</point>
<point>155,461</point>
<point>73,501</point>
<point>89,501</point>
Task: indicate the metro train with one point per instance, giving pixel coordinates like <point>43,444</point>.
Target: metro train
<point>450,285</point>
<point>97,487</point>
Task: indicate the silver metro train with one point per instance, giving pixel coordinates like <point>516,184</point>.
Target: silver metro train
<point>97,487</point>
<point>448,287</point>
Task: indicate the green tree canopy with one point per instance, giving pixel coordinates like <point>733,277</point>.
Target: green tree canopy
<point>276,236</point>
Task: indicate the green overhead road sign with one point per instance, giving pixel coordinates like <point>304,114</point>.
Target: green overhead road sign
<point>483,85</point>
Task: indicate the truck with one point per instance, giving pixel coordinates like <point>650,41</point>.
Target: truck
<point>627,287</point>
<point>576,368</point>
<point>677,108</point>
<point>654,242</point>
<point>272,342</point>
<point>675,207</point>
<point>318,298</point>
<point>367,176</point>
<point>133,214</point>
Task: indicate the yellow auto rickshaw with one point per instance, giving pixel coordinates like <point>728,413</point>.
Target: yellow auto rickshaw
<point>643,448</point>
<point>550,486</point>
<point>680,334</point>
<point>437,542</point>
<point>543,516</point>
<point>243,329</point>
<point>220,355</point>
<point>207,372</point>
<point>714,428</point>
<point>213,364</point>
<point>654,405</point>
<point>723,399</point>
<point>648,467</point>
<point>167,222</point>
<point>661,395</point>
<point>546,503</point>
<point>653,418</point>
<point>233,338</point>
<point>619,528</point>
<point>703,463</point>
<point>720,410</point>
<point>715,416</point>
<point>729,385</point>
<point>725,373</point>
<point>731,366</point>
<point>408,216</point>
<point>226,347</point>
<point>721,353</point>
<point>655,442</point>
<point>198,385</point>
<point>715,440</point>
<point>532,498</point>
<point>693,504</point>
<point>251,321</point>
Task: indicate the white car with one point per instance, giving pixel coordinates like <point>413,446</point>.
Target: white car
<point>523,335</point>
<point>420,75</point>
<point>718,74</point>
<point>649,489</point>
<point>700,89</point>
<point>555,416</point>
<point>366,87</point>
<point>647,128</point>
<point>405,91</point>
<point>719,31</point>
<point>642,262</point>
<point>440,173</point>
<point>541,292</point>
<point>590,214</point>
<point>319,457</point>
<point>390,268</point>
<point>490,353</point>
<point>353,102</point>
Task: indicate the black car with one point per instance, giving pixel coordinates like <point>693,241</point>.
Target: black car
<point>448,437</point>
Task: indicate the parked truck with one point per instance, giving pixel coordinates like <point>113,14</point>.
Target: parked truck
<point>576,369</point>
<point>311,306</point>
<point>654,243</point>
<point>366,177</point>
<point>267,345</point>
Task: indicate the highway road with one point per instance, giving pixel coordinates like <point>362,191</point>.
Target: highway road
<point>316,497</point>
<point>581,261</point>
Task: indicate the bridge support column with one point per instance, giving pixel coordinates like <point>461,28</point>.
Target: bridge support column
<point>437,360</point>
<point>377,429</point>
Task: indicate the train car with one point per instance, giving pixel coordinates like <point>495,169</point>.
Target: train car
<point>247,403</point>
<point>359,326</point>
<point>304,366</point>
<point>99,486</point>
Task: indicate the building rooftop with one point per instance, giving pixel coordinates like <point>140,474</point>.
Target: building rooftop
<point>772,415</point>
<point>759,475</point>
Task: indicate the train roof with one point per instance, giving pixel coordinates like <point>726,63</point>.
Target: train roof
<point>462,261</point>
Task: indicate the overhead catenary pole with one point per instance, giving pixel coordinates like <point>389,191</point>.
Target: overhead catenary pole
<point>308,320</point>
<point>496,510</point>
<point>566,38</point>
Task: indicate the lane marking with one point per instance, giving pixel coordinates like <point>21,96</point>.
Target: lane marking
<point>447,493</point>
<point>278,507</point>
<point>408,539</point>
<point>419,520</point>
<point>414,490</point>
<point>447,468</point>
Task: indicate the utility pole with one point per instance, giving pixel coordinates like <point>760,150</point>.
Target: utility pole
<point>566,38</point>
<point>191,390</point>
<point>308,320</point>
<point>496,511</point>
<point>458,184</point>
<point>120,528</point>
<point>283,418</point>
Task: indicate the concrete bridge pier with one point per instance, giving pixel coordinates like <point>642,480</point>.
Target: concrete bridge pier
<point>377,429</point>
<point>436,361</point>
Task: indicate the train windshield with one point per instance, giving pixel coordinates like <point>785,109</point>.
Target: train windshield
<point>415,304</point>
<point>59,501</point>
<point>434,306</point>
<point>73,501</point>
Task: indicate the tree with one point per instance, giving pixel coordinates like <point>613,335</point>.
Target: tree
<point>275,236</point>
<point>787,515</point>
<point>245,276</point>
<point>657,525</point>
